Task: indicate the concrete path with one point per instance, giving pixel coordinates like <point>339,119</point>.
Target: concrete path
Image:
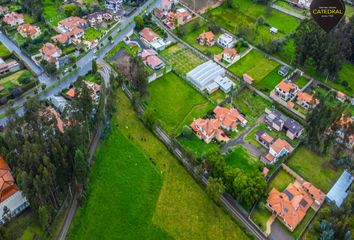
<point>269,224</point>
<point>289,12</point>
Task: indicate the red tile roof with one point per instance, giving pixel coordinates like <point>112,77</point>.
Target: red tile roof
<point>148,34</point>
<point>286,86</point>
<point>28,29</point>
<point>49,49</point>
<point>13,17</point>
<point>7,182</point>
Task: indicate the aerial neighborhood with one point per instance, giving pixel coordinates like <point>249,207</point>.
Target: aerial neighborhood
<point>111,111</point>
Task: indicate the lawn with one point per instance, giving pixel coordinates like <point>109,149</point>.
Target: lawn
<point>51,12</point>
<point>349,10</point>
<point>246,12</point>
<point>288,6</point>
<point>314,168</point>
<point>92,34</point>
<point>301,81</point>
<point>288,51</point>
<point>197,146</point>
<point>240,158</point>
<point>261,215</point>
<point>175,103</point>
<point>11,79</point>
<point>3,51</point>
<point>151,196</point>
<point>255,65</point>
<point>193,33</point>
<point>281,181</point>
<point>268,83</point>
<point>183,60</point>
<point>250,104</point>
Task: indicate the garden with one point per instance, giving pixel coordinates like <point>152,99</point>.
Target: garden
<point>150,194</point>
<point>175,103</point>
<point>242,159</point>
<point>314,168</point>
<point>182,59</point>
<point>250,104</point>
<point>268,83</point>
<point>254,64</point>
<point>4,52</point>
<point>52,13</point>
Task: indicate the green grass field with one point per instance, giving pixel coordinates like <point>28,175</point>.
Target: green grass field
<point>281,181</point>
<point>246,12</point>
<point>314,168</point>
<point>349,10</point>
<point>92,34</point>
<point>182,59</point>
<point>268,83</point>
<point>197,146</point>
<point>139,191</point>
<point>287,53</point>
<point>255,65</point>
<point>175,103</point>
<point>301,81</point>
<point>192,35</point>
<point>261,215</point>
<point>11,80</point>
<point>250,104</point>
<point>51,12</point>
<point>3,51</point>
<point>240,158</point>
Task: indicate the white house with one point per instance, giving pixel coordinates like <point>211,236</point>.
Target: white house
<point>225,83</point>
<point>277,149</point>
<point>113,5</point>
<point>226,41</point>
<point>305,3</point>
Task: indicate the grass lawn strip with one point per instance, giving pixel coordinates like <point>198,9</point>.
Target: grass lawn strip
<point>255,65</point>
<point>314,168</point>
<point>183,210</point>
<point>179,105</point>
<point>270,81</point>
<point>240,158</point>
<point>281,181</point>
<point>261,216</point>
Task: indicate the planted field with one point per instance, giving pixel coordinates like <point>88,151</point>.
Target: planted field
<point>250,104</point>
<point>51,12</point>
<point>314,168</point>
<point>193,30</point>
<point>246,12</point>
<point>175,103</point>
<point>149,194</point>
<point>182,59</point>
<point>3,51</point>
<point>240,158</point>
<point>255,65</point>
<point>268,83</point>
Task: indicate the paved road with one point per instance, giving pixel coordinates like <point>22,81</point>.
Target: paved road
<point>289,12</point>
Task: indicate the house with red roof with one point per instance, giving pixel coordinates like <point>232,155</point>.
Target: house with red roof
<point>206,129</point>
<point>152,39</point>
<point>62,38</point>
<point>229,55</point>
<point>277,149</point>
<point>14,19</point>
<point>306,100</point>
<point>150,58</point>
<point>206,39</point>
<point>229,118</point>
<point>29,30</point>
<point>3,11</point>
<point>50,53</point>
<point>286,90</point>
<point>344,123</point>
<point>10,195</point>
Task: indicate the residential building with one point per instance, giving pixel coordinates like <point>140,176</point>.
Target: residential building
<point>9,66</point>
<point>180,17</point>
<point>341,188</point>
<point>229,118</point>
<point>207,39</point>
<point>62,38</point>
<point>50,53</point>
<point>279,122</point>
<point>343,124</point>
<point>286,90</point>
<point>277,149</point>
<point>71,23</point>
<point>283,71</point>
<point>28,30</point>
<point>289,206</point>
<point>14,19</point>
<point>263,138</point>
<point>292,128</point>
<point>99,17</point>
<point>3,11</point>
<point>224,83</point>
<point>59,103</point>
<point>152,39</point>
<point>247,78</point>
<point>166,6</point>
<point>206,129</point>
<point>204,74</point>
<point>306,100</point>
<point>113,5</point>
<point>226,41</point>
<point>341,97</point>
<point>229,55</point>
<point>317,195</point>
<point>149,57</point>
<point>95,91</point>
<point>10,195</point>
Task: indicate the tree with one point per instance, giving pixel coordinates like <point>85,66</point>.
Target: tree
<point>43,217</point>
<point>51,68</point>
<point>94,67</point>
<point>25,78</point>
<point>215,188</point>
<point>149,118</point>
<point>138,76</point>
<point>196,25</point>
<point>187,132</point>
<point>260,21</point>
<point>6,215</point>
<point>81,168</point>
<point>139,22</point>
<point>71,10</point>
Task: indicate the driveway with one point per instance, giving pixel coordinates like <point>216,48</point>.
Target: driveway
<point>278,232</point>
